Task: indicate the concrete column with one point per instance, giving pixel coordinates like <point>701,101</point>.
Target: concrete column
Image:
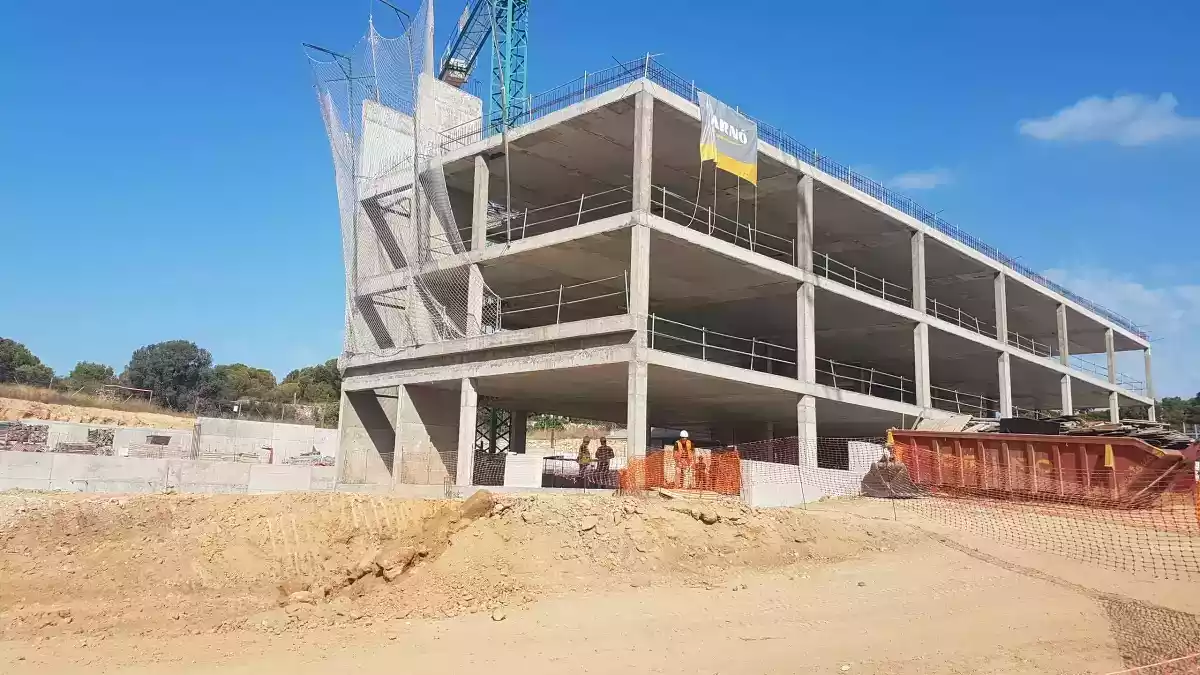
<point>367,438</point>
<point>479,204</point>
<point>806,351</point>
<point>804,223</point>
<point>639,279</point>
<point>1114,407</point>
<point>344,425</point>
<point>636,422</point>
<point>1001,288</point>
<point>1068,408</point>
<point>643,148</point>
<point>520,426</point>
<point>1151,412</point>
<point>427,56</point>
<point>1111,351</point>
<point>1005,367</point>
<point>918,271</point>
<point>1064,349</point>
<point>921,364</point>
<point>474,301</point>
<point>468,406</point>
<point>806,433</point>
<point>1149,374</point>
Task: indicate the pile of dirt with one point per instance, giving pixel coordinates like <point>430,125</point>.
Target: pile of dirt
<point>184,564</point>
<point>12,409</point>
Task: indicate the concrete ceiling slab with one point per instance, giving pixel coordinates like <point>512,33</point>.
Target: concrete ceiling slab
<point>1034,387</point>
<point>962,365</point>
<point>852,332</point>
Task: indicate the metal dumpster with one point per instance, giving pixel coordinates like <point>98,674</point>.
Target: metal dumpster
<point>1099,470</point>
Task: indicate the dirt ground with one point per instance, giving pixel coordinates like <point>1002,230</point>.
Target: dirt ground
<point>19,409</point>
<point>308,583</point>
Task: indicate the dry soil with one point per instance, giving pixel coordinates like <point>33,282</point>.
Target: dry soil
<point>307,583</point>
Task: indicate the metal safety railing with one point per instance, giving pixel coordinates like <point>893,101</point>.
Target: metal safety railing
<point>832,269</point>
<point>1028,344</point>
<point>679,209</point>
<point>555,300</point>
<point>710,345</point>
<point>865,380</point>
<point>591,84</point>
<point>542,219</point>
<point>952,400</point>
<point>1029,413</point>
<point>956,316</point>
<point>1080,363</point>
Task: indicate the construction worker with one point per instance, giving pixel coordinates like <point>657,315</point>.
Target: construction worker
<point>585,459</point>
<point>604,455</point>
<point>685,455</point>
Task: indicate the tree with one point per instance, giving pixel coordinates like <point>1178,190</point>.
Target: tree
<point>1175,410</point>
<point>321,383</point>
<point>18,364</point>
<point>90,375</point>
<point>551,423</point>
<point>177,371</point>
<point>237,381</point>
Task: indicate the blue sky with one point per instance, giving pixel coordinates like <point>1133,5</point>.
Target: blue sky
<point>165,173</point>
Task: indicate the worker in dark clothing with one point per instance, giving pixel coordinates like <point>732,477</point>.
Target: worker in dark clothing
<point>604,455</point>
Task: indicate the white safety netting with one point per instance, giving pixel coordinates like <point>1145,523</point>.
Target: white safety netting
<point>384,118</point>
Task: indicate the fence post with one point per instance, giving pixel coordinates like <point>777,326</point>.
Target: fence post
<point>664,201</point>
<point>525,222</point>
<point>646,68</point>
<point>703,343</point>
<point>710,221</point>
<point>579,215</point>
<point>753,343</point>
<point>652,317</point>
<point>585,84</point>
<point>558,313</point>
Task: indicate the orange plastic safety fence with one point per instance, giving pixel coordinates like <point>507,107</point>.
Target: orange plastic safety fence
<point>715,471</point>
<point>1123,516</point>
<point>1184,665</point>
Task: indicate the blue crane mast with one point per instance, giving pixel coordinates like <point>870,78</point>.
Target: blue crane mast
<point>505,23</point>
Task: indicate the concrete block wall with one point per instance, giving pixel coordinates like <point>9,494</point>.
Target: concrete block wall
<point>769,484</point>
<point>523,471</point>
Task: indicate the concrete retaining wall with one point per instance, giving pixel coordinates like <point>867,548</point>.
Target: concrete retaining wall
<point>232,437</point>
<point>92,473</point>
<point>212,437</point>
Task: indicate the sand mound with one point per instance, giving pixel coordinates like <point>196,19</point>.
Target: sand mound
<point>19,409</point>
<point>178,564</point>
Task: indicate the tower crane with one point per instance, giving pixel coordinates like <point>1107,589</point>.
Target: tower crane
<point>505,23</point>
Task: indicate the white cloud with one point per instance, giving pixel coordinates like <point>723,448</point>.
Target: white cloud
<point>921,180</point>
<point>1171,314</point>
<point>1130,120</point>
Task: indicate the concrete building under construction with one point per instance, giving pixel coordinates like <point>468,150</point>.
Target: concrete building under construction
<point>598,269</point>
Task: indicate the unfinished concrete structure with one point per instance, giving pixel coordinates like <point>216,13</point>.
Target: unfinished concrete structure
<point>636,285</point>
